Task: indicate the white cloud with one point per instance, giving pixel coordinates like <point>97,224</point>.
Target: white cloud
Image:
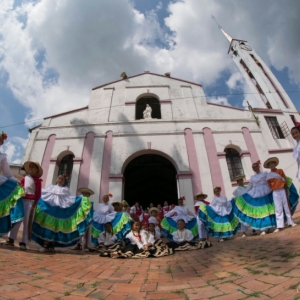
<point>14,149</point>
<point>234,81</point>
<point>220,100</point>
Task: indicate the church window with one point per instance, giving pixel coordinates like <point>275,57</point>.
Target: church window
<point>262,94</point>
<point>234,163</point>
<point>270,80</point>
<point>275,128</point>
<point>141,105</point>
<point>65,168</point>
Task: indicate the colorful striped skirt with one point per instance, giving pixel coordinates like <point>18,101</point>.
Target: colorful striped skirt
<point>11,205</point>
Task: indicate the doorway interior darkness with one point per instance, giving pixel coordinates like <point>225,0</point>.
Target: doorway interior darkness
<point>150,178</point>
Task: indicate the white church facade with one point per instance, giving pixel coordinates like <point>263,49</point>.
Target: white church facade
<point>183,146</point>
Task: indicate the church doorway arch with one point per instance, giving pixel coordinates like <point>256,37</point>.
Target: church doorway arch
<point>150,178</point>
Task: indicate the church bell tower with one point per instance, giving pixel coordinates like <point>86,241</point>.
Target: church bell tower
<point>267,90</point>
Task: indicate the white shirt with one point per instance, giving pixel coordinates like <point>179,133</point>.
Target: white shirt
<point>29,185</point>
<point>5,169</point>
<point>181,212</point>
<point>258,185</point>
<point>134,240</point>
<point>182,235</point>
<point>56,195</point>
<point>239,191</point>
<point>221,205</point>
<point>148,237</point>
<point>153,220</point>
<point>107,238</point>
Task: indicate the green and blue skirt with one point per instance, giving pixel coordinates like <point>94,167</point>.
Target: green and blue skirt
<point>11,205</point>
<point>218,226</point>
<point>61,226</point>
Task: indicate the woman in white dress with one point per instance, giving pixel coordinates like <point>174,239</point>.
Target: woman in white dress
<point>11,203</point>
<point>179,212</point>
<point>255,208</point>
<point>218,217</point>
<point>106,213</point>
<point>60,219</point>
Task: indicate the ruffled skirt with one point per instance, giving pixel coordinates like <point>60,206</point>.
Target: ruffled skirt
<point>293,195</point>
<point>11,205</point>
<point>121,226</point>
<point>218,226</point>
<point>168,226</point>
<point>257,213</point>
<point>185,246</point>
<point>61,226</point>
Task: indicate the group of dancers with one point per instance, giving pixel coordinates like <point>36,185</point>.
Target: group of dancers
<point>53,218</point>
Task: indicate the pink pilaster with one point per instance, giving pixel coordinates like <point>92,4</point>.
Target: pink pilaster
<point>47,157</point>
<point>106,161</point>
<point>84,172</point>
<point>250,145</point>
<point>213,159</point>
<point>193,160</point>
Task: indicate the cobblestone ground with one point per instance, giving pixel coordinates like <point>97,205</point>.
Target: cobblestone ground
<point>256,267</point>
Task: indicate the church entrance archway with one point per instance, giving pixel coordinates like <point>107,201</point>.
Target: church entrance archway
<point>150,178</point>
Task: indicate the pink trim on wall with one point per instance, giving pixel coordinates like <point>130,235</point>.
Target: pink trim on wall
<point>184,175</point>
<point>106,161</point>
<point>77,160</point>
<point>214,165</point>
<point>54,161</point>
<point>284,150</point>
<point>250,145</point>
<point>245,154</point>
<point>235,184</point>
<point>221,154</point>
<point>85,167</point>
<point>165,102</point>
<point>116,178</point>
<point>193,160</point>
<point>47,157</point>
<point>148,145</point>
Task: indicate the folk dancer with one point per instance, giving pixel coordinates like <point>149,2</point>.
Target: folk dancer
<point>277,180</point>
<point>11,202</point>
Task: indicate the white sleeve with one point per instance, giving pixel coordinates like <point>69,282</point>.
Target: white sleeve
<point>141,217</point>
<point>191,213</point>
<point>113,239</point>
<point>111,208</point>
<point>4,167</point>
<point>101,238</point>
<point>189,235</point>
<point>171,212</point>
<point>151,239</point>
<point>249,187</point>
<point>132,210</point>
<point>235,193</point>
<point>176,237</point>
<point>213,202</point>
<point>157,232</point>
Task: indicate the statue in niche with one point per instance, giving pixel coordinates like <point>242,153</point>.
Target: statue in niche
<point>147,112</point>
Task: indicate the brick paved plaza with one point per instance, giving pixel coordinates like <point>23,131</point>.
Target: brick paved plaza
<point>256,267</point>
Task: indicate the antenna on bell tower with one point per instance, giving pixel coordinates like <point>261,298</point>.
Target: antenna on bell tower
<point>229,38</point>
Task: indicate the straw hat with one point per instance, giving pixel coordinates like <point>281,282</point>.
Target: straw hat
<point>271,159</point>
<point>200,194</point>
<point>239,177</point>
<point>26,167</point>
<point>86,190</point>
<point>152,209</point>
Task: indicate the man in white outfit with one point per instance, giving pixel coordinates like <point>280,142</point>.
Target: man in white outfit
<point>277,182</point>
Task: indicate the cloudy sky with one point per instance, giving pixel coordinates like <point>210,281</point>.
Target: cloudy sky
<point>53,52</point>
